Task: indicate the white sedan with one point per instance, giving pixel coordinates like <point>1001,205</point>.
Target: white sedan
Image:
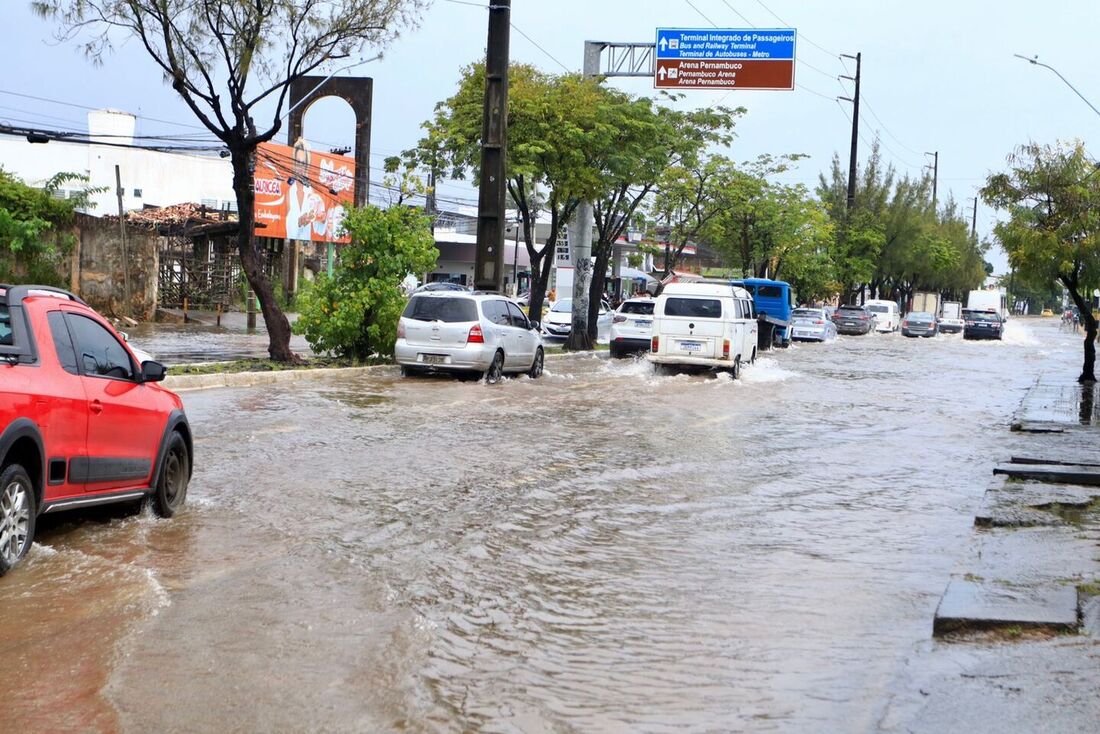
<point>558,321</point>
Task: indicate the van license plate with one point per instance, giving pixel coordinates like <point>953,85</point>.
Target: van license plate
<point>433,358</point>
<point>691,346</point>
<point>644,323</point>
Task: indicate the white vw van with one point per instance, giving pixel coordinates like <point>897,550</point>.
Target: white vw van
<point>886,313</point>
<point>704,325</point>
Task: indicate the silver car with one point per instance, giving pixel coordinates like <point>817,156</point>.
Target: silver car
<point>447,331</point>
<point>811,324</point>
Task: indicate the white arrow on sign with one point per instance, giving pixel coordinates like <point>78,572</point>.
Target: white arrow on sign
<point>661,73</point>
<point>664,44</point>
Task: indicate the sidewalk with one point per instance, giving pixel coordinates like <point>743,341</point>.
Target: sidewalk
<point>1017,631</point>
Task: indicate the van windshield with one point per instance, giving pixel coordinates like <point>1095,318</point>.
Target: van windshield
<point>437,308</point>
<point>696,308</point>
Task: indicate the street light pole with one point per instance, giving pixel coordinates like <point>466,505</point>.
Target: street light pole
<point>1035,62</point>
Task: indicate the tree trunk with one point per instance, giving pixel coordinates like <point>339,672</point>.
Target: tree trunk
<point>540,277</point>
<point>278,328</point>
<point>1088,369</point>
<point>595,291</point>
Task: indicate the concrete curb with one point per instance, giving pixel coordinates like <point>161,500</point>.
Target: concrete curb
<point>186,383</point>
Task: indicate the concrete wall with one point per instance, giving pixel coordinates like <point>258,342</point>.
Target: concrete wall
<point>99,265</point>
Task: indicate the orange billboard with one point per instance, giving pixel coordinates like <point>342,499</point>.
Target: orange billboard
<point>302,194</point>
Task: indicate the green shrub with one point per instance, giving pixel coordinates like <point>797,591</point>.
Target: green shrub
<point>354,312</point>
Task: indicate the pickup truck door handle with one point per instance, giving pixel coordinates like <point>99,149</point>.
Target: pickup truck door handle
<point>96,407</point>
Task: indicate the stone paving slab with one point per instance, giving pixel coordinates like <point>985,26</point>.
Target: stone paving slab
<point>1060,473</point>
<point>1055,404</point>
<point>1022,504</point>
<point>975,605</point>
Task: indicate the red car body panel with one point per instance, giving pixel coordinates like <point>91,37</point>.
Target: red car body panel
<point>99,434</point>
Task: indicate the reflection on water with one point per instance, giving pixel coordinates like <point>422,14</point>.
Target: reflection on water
<point>600,549</point>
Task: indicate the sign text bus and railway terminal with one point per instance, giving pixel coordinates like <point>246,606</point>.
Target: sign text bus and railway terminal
<point>725,58</point>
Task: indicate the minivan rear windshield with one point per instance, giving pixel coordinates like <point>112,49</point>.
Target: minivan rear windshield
<point>696,308</point>
<point>880,309</point>
<point>642,307</point>
<point>441,308</point>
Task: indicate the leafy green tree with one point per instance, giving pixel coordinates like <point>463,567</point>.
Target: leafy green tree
<point>354,313</point>
<point>690,195</point>
<point>555,126</point>
<point>227,60</point>
<point>34,236</point>
<point>1051,194</point>
<point>646,139</point>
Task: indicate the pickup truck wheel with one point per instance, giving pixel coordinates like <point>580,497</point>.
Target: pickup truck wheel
<point>496,369</point>
<point>171,490</point>
<point>17,515</point>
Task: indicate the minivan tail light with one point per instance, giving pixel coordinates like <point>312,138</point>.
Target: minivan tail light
<point>401,329</point>
<point>655,345</point>
<point>725,349</point>
<point>619,318</point>
<point>475,337</point>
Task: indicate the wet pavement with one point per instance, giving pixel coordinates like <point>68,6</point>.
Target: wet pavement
<point>204,340</point>
<point>599,550</point>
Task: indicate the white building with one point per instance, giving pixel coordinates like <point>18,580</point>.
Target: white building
<point>149,177</point>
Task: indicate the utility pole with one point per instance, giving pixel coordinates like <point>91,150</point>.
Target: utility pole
<point>974,221</point>
<point>489,260</point>
<point>854,99</point>
<point>935,175</point>
<point>122,241</point>
<point>580,237</point>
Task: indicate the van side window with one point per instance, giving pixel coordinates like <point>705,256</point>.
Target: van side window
<point>738,308</point>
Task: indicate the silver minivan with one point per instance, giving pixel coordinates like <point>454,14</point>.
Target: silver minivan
<point>447,331</point>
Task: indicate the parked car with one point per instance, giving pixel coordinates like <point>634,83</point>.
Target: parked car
<point>440,285</point>
<point>83,422</point>
<point>811,324</point>
<point>887,314</point>
<point>467,333</point>
<point>854,320</point>
<point>703,325</point>
<point>558,322</point>
<point>982,325</point>
<point>632,326</point>
<point>951,321</point>
<point>919,323</point>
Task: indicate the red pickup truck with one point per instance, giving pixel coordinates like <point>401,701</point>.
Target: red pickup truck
<point>81,421</point>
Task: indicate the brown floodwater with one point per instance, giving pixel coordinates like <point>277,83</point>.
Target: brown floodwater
<point>598,550</point>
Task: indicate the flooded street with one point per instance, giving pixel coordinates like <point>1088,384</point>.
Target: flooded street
<point>598,550</point>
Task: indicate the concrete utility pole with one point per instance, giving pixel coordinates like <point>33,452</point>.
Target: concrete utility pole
<point>489,260</point>
<point>580,237</point>
<point>852,159</point>
<point>974,221</point>
<point>122,241</point>
<point>935,176</point>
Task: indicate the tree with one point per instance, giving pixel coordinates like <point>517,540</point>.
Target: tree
<point>550,124</point>
<point>1052,196</point>
<point>689,195</point>
<point>228,58</point>
<point>648,140</point>
<point>354,312</point>
<point>33,239</point>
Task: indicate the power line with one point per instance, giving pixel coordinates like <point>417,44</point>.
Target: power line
<point>740,15</point>
<point>800,35</point>
<point>540,48</point>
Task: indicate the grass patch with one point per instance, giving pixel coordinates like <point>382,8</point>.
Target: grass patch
<point>267,365</point>
<point>1092,588</point>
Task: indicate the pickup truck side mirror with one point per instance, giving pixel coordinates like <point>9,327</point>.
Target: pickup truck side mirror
<point>153,371</point>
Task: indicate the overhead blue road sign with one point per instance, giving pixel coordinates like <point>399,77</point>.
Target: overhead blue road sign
<point>762,44</point>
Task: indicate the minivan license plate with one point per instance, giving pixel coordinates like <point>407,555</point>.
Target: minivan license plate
<point>433,358</point>
<point>691,346</point>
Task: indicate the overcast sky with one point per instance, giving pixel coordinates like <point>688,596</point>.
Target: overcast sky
<point>938,75</point>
